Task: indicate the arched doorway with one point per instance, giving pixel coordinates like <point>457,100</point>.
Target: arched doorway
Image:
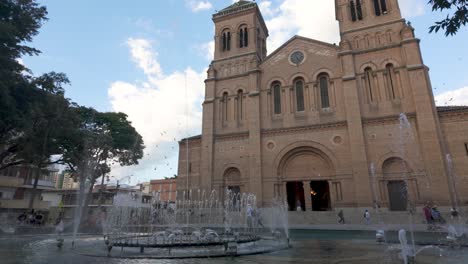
<point>306,172</point>
<point>396,171</point>
<point>320,195</point>
<point>232,180</point>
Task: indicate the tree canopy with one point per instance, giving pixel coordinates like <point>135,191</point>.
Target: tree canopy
<point>454,21</point>
<point>37,121</point>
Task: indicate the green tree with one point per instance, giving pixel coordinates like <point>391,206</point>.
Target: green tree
<point>104,139</point>
<point>454,21</point>
<point>20,21</point>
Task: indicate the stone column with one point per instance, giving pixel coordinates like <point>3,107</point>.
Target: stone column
<point>307,197</point>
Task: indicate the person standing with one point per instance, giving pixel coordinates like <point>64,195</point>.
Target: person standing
<point>341,219</point>
<point>427,214</point>
<point>367,217</point>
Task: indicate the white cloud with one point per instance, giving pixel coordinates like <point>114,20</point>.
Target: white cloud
<point>312,19</point>
<point>457,97</point>
<point>412,8</point>
<point>207,50</point>
<point>197,6</point>
<point>161,110</point>
<point>141,51</point>
<point>300,17</point>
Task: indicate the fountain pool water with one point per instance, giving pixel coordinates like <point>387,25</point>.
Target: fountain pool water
<point>198,224</point>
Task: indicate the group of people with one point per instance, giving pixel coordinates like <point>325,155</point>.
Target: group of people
<point>433,216</point>
<point>31,218</point>
<point>254,218</point>
<point>367,217</point>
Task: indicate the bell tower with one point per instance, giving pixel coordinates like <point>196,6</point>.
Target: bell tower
<point>240,29</point>
<point>359,14</point>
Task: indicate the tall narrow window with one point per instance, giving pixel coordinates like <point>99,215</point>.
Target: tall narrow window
<point>246,37</point>
<point>383,6</point>
<point>239,105</point>
<point>225,106</point>
<point>380,7</point>
<point>359,9</point>
<point>368,77</point>
<point>299,87</point>
<point>390,72</point>
<point>277,97</point>
<point>352,6</point>
<point>377,7</point>
<point>241,38</point>
<point>226,40</point>
<point>324,96</point>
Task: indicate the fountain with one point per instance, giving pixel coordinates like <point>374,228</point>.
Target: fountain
<point>193,226</point>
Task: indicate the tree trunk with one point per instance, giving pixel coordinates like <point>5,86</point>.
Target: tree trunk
<point>39,166</point>
<point>34,189</point>
<point>85,207</point>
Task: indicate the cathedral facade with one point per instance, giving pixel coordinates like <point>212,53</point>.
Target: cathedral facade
<point>326,126</point>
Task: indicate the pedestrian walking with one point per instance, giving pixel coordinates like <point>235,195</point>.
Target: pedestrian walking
<point>367,217</point>
<point>341,219</point>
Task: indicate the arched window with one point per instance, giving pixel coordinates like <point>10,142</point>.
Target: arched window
<point>368,76</point>
<point>243,37</point>
<point>380,7</point>
<point>276,87</point>
<point>324,83</point>
<point>225,106</point>
<point>356,9</point>
<point>226,40</point>
<point>240,109</point>
<point>390,74</point>
<point>299,88</point>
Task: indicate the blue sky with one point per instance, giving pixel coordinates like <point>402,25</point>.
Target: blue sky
<point>138,56</point>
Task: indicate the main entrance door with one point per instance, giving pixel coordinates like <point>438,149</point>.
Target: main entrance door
<point>295,194</point>
<point>398,195</point>
<point>320,195</point>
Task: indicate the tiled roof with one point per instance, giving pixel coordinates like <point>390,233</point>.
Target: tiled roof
<point>236,7</point>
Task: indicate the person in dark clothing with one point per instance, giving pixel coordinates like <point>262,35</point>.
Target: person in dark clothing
<point>22,218</point>
<point>341,219</point>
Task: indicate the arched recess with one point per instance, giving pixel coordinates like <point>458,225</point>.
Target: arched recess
<point>299,75</point>
<point>322,71</point>
<point>232,178</point>
<point>398,183</point>
<point>305,173</point>
<point>281,157</point>
<point>389,157</point>
<point>305,163</point>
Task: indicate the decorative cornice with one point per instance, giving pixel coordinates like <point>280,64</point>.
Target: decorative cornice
<point>349,77</point>
<point>411,40</point>
<point>373,26</point>
<point>272,132</point>
<point>254,93</point>
<point>386,119</point>
<point>415,67</point>
<point>234,57</point>
<point>209,100</point>
<point>455,115</point>
<point>231,136</point>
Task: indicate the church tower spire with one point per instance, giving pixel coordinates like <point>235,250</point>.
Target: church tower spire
<point>240,29</point>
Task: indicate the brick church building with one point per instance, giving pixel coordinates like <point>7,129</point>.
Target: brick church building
<point>321,124</point>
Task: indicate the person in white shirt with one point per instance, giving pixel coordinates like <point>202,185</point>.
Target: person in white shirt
<point>367,217</point>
